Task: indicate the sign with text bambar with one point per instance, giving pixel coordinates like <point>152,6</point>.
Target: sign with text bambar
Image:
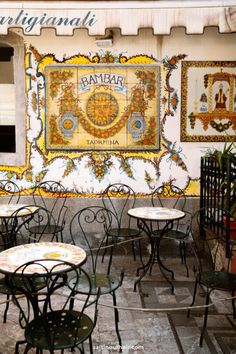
<point>100,107</point>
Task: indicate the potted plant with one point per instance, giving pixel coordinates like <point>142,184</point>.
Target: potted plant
<point>224,160</point>
<point>218,182</point>
<point>218,189</point>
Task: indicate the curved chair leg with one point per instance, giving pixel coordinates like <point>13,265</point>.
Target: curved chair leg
<point>6,309</point>
<point>133,250</point>
<point>152,262</point>
<point>205,318</point>
<point>27,348</point>
<point>140,252</point>
<point>233,304</point>
<point>182,251</point>
<point>105,250</point>
<point>194,297</point>
<point>117,320</point>
<point>90,345</point>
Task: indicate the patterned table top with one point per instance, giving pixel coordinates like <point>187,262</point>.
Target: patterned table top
<point>7,210</point>
<point>156,213</point>
<point>12,258</point>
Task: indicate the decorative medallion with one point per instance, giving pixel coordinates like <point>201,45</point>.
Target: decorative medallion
<point>68,123</point>
<point>102,108</point>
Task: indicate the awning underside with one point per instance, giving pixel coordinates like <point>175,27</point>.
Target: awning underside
<point>33,17</point>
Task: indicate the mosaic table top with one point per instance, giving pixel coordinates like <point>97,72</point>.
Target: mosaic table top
<point>156,213</point>
<point>7,210</point>
<point>12,258</point>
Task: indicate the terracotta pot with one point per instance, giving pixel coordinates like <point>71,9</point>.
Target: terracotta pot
<point>232,224</point>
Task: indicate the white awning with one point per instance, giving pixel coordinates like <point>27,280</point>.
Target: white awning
<point>129,16</point>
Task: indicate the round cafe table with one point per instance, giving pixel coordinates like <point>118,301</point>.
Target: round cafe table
<point>14,257</point>
<point>10,214</point>
<point>10,210</point>
<point>145,217</point>
<point>48,256</point>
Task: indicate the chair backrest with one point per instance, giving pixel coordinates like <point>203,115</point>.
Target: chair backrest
<point>212,250</point>
<point>45,286</point>
<point>12,220</point>
<point>170,197</point>
<point>164,196</point>
<point>89,228</point>
<point>31,219</point>
<point>119,198</point>
<point>52,196</point>
<point>10,191</point>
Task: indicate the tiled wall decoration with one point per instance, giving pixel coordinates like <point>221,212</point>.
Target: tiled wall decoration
<point>55,150</point>
<point>208,101</point>
<point>96,107</point>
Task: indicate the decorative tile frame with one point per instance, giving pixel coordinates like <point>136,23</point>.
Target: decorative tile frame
<point>100,107</point>
<point>208,101</point>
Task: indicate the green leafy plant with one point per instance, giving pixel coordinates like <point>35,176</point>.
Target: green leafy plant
<point>221,156</point>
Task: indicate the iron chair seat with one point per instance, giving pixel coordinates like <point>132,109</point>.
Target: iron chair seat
<point>45,229</point>
<point>105,282</point>
<point>171,234</point>
<point>124,232</point>
<point>219,280</point>
<point>65,335</point>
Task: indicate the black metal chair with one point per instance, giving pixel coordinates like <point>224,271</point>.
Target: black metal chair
<point>89,228</point>
<point>13,228</point>
<point>52,196</point>
<point>38,226</point>
<point>119,198</point>
<point>10,191</point>
<point>174,197</point>
<point>214,255</point>
<point>11,195</point>
<point>46,315</point>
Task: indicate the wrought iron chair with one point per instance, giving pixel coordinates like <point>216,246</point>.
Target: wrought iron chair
<point>11,194</point>
<point>214,255</point>
<point>10,191</point>
<point>46,315</point>
<point>125,230</point>
<point>13,225</point>
<point>7,235</point>
<point>82,227</point>
<point>39,226</point>
<point>175,198</point>
<point>52,196</point>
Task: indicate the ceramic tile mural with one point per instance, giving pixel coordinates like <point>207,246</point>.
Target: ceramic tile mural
<point>68,117</point>
<point>208,101</point>
<point>102,107</point>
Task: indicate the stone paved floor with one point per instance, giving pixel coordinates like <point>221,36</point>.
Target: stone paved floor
<point>167,332</point>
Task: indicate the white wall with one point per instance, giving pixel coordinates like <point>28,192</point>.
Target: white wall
<point>209,46</point>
